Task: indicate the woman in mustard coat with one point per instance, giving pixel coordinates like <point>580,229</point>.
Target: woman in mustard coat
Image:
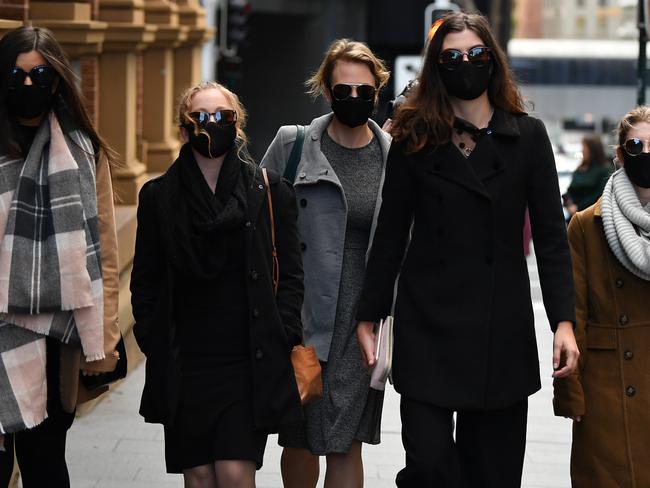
<point>608,396</point>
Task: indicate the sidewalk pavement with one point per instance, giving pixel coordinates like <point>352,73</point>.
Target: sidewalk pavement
<point>113,448</point>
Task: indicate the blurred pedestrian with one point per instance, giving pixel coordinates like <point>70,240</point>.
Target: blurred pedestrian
<point>58,301</point>
<point>339,176</point>
<point>589,178</point>
<point>216,335</point>
<point>464,164</point>
<point>608,396</point>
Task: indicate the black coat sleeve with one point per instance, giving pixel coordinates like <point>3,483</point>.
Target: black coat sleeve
<point>549,232</point>
<point>146,277</point>
<point>290,288</point>
<point>391,235</point>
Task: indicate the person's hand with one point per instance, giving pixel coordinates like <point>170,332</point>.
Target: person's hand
<point>564,343</point>
<point>366,338</point>
<point>572,209</point>
<point>387,125</point>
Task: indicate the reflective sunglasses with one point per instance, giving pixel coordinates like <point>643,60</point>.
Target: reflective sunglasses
<point>634,146</point>
<point>221,117</point>
<point>451,59</point>
<point>343,91</point>
<point>41,76</point>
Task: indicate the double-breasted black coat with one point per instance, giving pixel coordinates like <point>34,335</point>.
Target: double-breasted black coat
<point>274,320</point>
<point>464,327</point>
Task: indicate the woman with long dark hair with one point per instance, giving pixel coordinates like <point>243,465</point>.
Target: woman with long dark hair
<point>589,178</point>
<point>464,163</point>
<point>58,264</point>
<point>215,318</point>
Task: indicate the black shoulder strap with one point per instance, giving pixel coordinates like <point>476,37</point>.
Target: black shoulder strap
<point>296,153</point>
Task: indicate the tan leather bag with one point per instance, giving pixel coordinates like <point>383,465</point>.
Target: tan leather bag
<point>305,362</point>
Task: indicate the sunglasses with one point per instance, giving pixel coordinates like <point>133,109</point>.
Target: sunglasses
<point>634,146</point>
<point>41,76</point>
<point>343,91</point>
<point>451,59</point>
<point>221,117</point>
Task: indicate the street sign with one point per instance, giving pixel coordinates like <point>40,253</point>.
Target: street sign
<point>434,11</point>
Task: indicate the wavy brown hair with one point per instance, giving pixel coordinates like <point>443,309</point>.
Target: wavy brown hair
<point>427,117</point>
<point>67,96</point>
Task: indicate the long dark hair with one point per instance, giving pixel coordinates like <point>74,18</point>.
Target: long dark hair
<point>67,95</point>
<point>427,117</point>
<point>596,151</point>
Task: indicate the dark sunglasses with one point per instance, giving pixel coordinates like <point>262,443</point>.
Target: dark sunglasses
<point>221,117</point>
<point>479,56</point>
<point>41,76</point>
<point>634,146</point>
<point>343,91</point>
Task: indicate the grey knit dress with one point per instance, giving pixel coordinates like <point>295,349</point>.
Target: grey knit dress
<point>349,410</point>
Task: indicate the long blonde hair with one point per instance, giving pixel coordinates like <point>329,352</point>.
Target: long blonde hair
<point>185,102</point>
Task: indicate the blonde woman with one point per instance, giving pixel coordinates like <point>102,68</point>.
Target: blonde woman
<point>216,335</point>
<point>608,397</point>
<point>337,183</point>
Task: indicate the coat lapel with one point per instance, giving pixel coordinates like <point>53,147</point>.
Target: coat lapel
<point>450,165</point>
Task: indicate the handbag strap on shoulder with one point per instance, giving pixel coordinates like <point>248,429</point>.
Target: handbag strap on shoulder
<point>296,153</point>
<point>274,250</point>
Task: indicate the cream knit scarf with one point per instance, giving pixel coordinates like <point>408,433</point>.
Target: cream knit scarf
<point>627,224</point>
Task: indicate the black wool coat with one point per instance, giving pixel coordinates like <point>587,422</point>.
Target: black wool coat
<point>464,327</point>
<point>274,320</point>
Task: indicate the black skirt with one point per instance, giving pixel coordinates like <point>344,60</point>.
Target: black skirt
<point>215,415</point>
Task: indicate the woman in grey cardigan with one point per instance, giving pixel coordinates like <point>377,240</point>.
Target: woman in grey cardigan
<point>337,183</point>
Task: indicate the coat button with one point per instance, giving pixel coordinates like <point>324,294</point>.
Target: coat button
<point>259,354</point>
<point>489,260</point>
<point>630,391</point>
<point>256,313</point>
<point>254,275</point>
<point>623,320</point>
<point>303,202</point>
<point>436,167</point>
<point>303,246</point>
<point>302,175</point>
<point>628,355</point>
<point>619,283</point>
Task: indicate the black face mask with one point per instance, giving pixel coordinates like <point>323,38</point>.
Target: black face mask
<point>466,82</point>
<point>353,112</point>
<point>638,169</point>
<point>29,101</point>
<point>219,143</point>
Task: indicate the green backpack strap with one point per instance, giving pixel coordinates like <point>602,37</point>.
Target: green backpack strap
<point>296,153</point>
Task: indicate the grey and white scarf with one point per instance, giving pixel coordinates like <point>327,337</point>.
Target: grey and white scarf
<point>50,266</point>
<point>627,224</point>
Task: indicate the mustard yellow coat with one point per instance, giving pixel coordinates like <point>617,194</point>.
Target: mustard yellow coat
<point>611,389</point>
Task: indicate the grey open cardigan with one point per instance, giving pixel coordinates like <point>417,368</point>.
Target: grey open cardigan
<point>321,223</point>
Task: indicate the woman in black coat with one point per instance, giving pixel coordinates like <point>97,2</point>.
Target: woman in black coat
<point>464,164</point>
<point>216,336</point>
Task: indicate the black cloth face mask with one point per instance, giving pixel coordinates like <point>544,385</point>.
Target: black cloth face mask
<point>637,169</point>
<point>29,101</point>
<point>352,112</point>
<point>467,81</point>
<point>221,139</point>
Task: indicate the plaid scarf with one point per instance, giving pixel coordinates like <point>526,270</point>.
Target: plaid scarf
<point>50,269</point>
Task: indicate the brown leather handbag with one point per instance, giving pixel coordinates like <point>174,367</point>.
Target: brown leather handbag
<point>305,362</point>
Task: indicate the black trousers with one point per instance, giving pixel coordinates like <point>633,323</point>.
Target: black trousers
<point>488,451</point>
<point>41,451</point>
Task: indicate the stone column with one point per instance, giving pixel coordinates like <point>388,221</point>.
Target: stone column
<point>159,99</point>
<point>126,36</point>
<point>187,57</point>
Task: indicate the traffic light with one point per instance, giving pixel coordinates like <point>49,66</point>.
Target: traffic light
<point>239,12</point>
